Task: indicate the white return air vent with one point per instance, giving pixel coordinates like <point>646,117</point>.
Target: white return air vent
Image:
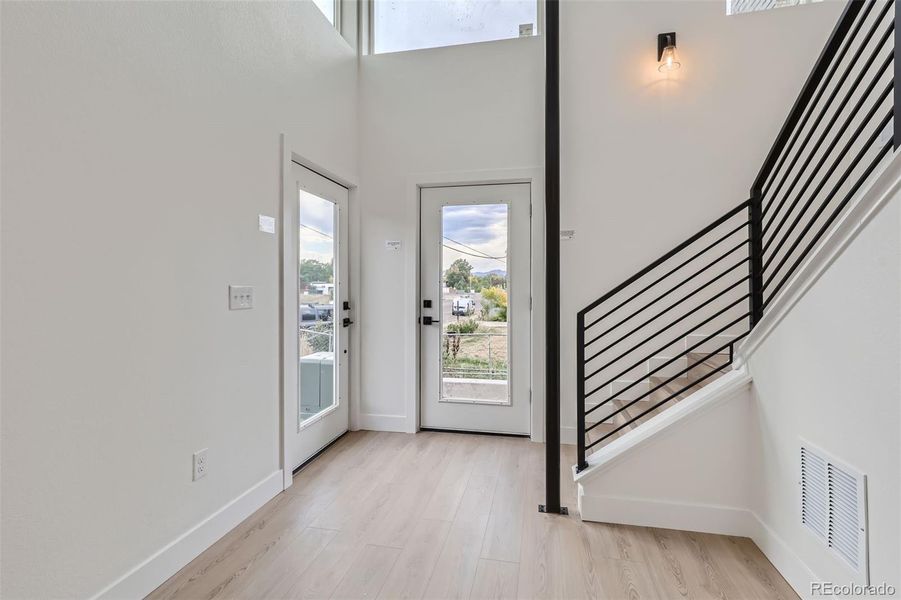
<point>834,507</point>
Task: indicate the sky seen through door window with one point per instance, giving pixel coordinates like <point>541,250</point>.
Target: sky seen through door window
<point>478,234</point>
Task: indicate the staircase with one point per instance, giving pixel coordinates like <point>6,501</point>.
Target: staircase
<point>672,328</point>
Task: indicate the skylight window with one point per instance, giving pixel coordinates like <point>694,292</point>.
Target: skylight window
<point>399,25</point>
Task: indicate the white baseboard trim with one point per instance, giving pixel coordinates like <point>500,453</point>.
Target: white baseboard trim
<point>705,518</point>
<point>793,569</point>
<point>159,567</point>
<point>373,422</point>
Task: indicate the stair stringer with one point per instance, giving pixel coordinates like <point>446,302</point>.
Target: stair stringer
<point>689,468</point>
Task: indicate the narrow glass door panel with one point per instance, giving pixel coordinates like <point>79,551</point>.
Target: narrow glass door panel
<point>474,300</point>
<point>316,321</point>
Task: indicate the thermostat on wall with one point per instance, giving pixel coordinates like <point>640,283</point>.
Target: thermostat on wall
<point>567,234</point>
<point>392,245</point>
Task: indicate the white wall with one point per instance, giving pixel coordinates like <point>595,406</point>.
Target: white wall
<point>670,478</point>
<point>140,141</point>
<point>830,373</point>
<point>479,107</point>
<point>464,108</point>
<point>646,160</point>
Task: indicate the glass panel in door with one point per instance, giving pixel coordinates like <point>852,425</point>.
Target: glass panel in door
<point>316,323</point>
<point>474,294</point>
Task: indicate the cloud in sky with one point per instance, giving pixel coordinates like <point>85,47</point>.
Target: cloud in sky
<point>317,228</point>
<point>475,229</point>
<point>408,24</point>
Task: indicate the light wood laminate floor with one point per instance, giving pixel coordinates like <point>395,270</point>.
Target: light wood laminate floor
<point>443,515</point>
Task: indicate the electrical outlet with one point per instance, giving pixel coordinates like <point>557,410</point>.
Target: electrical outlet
<point>200,464</point>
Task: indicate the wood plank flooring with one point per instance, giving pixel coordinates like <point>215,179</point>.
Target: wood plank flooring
<point>442,515</point>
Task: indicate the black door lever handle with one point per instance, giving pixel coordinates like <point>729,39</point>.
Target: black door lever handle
<point>346,322</point>
<point>429,321</point>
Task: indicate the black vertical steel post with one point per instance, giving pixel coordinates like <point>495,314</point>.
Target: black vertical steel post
<point>580,392</point>
<point>552,250</point>
<point>896,125</point>
<point>755,250</point>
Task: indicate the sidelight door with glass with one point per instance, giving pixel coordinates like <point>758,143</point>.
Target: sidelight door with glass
<point>475,313</point>
<point>316,315</point>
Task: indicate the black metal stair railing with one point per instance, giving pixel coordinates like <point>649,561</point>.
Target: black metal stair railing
<point>674,325</point>
<point>647,341</point>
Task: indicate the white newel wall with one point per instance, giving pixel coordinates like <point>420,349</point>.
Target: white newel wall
<point>140,142</point>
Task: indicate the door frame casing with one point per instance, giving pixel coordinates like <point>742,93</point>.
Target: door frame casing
<point>412,289</point>
<point>287,388</point>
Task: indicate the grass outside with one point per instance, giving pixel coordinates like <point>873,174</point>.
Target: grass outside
<point>479,355</point>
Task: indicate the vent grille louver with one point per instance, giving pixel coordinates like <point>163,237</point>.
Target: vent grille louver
<point>833,499</point>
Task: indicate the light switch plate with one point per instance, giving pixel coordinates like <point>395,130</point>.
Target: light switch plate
<point>267,224</point>
<point>240,297</point>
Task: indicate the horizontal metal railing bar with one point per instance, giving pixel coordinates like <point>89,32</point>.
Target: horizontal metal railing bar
<point>835,163</point>
<point>697,290</point>
<point>810,108</point>
<point>664,401</point>
<point>867,145</point>
<point>452,333</point>
<point>835,90</point>
<point>836,114</point>
<point>450,374</point>
<point>662,348</point>
<point>685,352</point>
<point>741,244</point>
<point>880,99</point>
<point>700,271</point>
<point>664,258</point>
<point>660,385</point>
<point>838,35</point>
<point>839,111</point>
<point>827,153</point>
<point>830,220</point>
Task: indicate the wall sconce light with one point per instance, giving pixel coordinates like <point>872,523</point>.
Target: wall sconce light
<point>666,52</point>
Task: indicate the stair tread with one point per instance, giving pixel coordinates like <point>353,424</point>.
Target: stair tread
<point>718,364</point>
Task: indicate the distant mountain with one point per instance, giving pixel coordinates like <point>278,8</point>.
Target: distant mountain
<point>499,272</point>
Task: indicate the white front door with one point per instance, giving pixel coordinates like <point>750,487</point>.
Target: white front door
<point>475,316</point>
<point>315,314</point>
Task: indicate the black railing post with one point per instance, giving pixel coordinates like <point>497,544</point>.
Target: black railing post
<point>580,392</point>
<point>552,264</point>
<point>755,251</point>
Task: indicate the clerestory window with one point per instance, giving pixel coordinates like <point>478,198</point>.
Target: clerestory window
<point>398,25</point>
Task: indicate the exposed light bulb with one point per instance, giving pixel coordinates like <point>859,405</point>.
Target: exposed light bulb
<point>668,60</point>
